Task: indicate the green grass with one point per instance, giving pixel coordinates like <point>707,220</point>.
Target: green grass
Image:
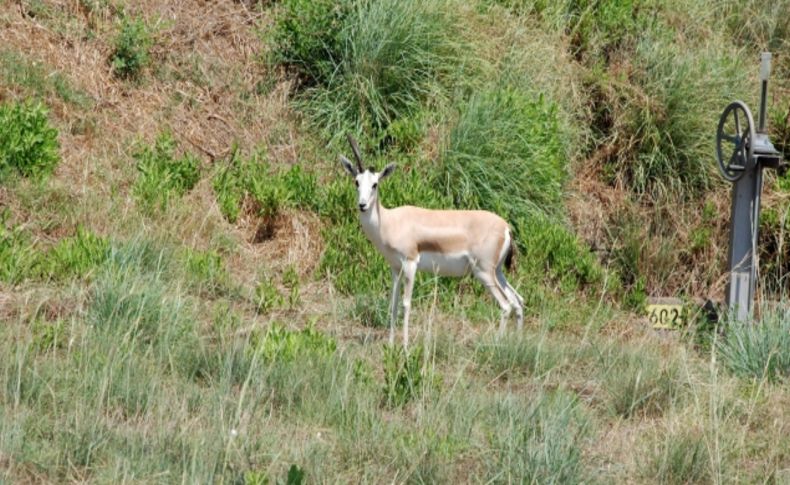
<point>178,348</point>
<point>36,80</point>
<point>506,153</point>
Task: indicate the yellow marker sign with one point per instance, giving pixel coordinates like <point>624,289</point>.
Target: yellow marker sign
<point>666,315</point>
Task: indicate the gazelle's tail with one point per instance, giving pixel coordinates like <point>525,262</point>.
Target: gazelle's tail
<point>510,253</point>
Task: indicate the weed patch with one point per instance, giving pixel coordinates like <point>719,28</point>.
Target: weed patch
<point>163,176</point>
<point>28,144</point>
<point>279,344</point>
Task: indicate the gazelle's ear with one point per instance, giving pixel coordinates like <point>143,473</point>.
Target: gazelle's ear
<point>350,168</point>
<point>387,171</point>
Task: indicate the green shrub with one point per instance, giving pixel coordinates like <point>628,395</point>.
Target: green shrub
<point>206,270</point>
<point>306,37</point>
<point>131,48</point>
<point>162,175</point>
<point>505,154</point>
<point>369,62</point>
<point>553,253</point>
<point>758,349</point>
<point>28,144</point>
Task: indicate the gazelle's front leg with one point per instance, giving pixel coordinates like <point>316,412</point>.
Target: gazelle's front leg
<point>409,272</point>
<point>394,302</point>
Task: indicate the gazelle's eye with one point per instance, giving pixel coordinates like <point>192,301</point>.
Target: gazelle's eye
<point>375,185</point>
<point>356,182</point>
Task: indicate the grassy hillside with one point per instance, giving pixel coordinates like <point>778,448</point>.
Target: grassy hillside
<point>186,294</point>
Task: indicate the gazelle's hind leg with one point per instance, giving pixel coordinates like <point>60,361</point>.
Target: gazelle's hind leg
<point>489,280</point>
<point>513,297</point>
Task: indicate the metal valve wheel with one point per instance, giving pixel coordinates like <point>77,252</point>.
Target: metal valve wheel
<point>734,141</point>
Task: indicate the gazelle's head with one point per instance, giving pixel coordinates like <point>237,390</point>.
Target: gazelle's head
<point>366,180</point>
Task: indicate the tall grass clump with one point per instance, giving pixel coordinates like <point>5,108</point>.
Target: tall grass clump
<point>539,441</point>
<point>758,349</point>
<point>685,92</point>
<point>506,153</point>
<point>369,62</point>
<point>28,143</point>
<point>680,457</point>
<point>635,382</point>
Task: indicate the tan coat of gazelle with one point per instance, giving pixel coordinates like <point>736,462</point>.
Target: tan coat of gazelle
<point>443,242</point>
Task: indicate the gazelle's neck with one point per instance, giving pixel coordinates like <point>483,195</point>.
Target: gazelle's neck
<point>371,221</point>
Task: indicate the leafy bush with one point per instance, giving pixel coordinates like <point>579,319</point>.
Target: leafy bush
<point>758,349</point>
<point>164,176</point>
<point>306,37</point>
<point>206,270</point>
<point>131,48</point>
<point>28,144</point>
<point>553,253</point>
<point>369,63</point>
<point>267,296</point>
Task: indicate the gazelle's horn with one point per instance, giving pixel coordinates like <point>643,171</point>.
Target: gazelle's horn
<point>355,149</point>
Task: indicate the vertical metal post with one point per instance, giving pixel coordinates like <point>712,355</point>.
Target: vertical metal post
<point>744,225</point>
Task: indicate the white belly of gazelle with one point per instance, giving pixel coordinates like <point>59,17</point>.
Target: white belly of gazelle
<point>453,264</point>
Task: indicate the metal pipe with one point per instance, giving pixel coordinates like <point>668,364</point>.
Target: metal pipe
<point>765,73</point>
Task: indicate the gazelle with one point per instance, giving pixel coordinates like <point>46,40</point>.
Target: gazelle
<point>443,242</point>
